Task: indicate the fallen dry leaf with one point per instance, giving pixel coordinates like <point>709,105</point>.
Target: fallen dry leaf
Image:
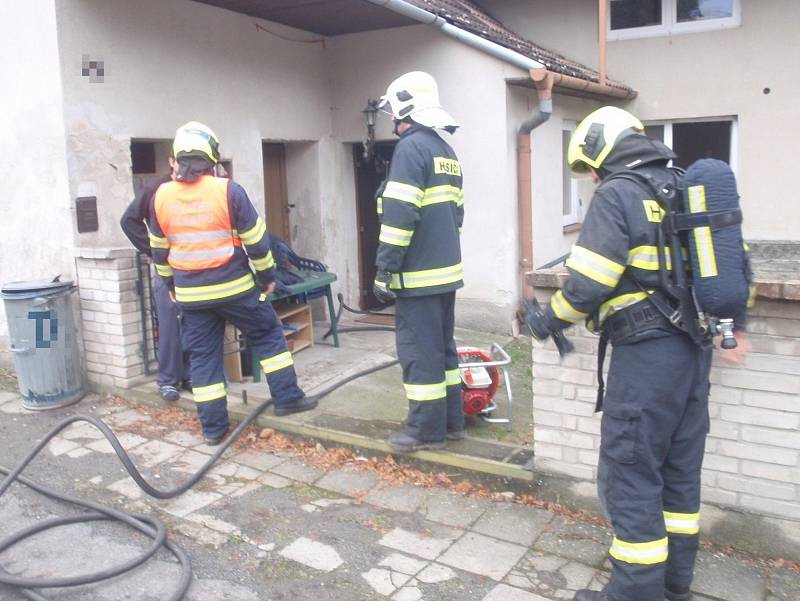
<point>385,467</point>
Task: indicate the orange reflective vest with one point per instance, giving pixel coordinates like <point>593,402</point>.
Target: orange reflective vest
<point>195,219</point>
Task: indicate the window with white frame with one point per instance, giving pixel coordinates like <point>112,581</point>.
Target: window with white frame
<point>576,191</point>
<point>698,139</point>
<point>649,18</point>
<point>570,203</point>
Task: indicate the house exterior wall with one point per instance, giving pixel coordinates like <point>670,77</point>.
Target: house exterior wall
<point>472,87</point>
<point>35,235</point>
<point>167,63</point>
<point>696,75</point>
<point>752,459</point>
<point>170,62</point>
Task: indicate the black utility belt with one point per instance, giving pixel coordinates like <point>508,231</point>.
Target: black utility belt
<point>631,321</point>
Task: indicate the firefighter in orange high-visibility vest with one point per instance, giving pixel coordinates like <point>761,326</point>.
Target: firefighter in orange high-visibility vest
<point>205,235</point>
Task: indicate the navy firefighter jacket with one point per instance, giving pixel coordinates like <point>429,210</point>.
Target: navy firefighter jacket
<point>421,209</point>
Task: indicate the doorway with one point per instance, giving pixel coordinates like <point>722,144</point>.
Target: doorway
<point>370,173</point>
<point>276,197</point>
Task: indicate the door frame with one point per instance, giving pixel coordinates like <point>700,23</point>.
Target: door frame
<point>364,286</point>
<point>282,186</point>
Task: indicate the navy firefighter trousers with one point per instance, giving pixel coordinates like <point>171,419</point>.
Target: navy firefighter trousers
<point>204,331</point>
<point>653,432</point>
<point>427,352</point>
<point>173,360</point>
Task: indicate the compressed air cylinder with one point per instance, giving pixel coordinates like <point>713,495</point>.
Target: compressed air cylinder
<point>718,256</point>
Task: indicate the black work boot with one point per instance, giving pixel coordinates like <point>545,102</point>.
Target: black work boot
<point>405,443</point>
<point>169,393</point>
<point>687,596</point>
<point>587,595</point>
<point>298,406</point>
<point>455,435</point>
<point>213,441</point>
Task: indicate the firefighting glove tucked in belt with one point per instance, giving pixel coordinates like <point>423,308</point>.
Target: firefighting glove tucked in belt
<point>381,288</point>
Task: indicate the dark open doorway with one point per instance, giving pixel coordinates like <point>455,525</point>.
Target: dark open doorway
<point>369,175</point>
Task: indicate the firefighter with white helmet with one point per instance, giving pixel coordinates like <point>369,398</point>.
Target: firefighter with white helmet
<point>421,208</point>
<point>655,409</point>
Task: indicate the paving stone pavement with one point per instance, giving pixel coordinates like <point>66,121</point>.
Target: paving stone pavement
<point>269,527</point>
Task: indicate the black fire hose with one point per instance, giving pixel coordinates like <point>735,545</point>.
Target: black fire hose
<point>149,526</point>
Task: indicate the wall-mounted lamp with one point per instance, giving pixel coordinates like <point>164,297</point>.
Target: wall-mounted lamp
<point>370,113</point>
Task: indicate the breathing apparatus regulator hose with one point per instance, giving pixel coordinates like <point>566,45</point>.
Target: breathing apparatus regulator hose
<point>150,526</point>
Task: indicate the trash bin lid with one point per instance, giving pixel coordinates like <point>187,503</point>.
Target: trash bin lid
<point>38,286</point>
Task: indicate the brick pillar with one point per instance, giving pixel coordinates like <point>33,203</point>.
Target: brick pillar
<point>752,459</point>
<point>112,330</point>
<point>566,431</point>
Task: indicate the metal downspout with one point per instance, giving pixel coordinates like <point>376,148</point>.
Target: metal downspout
<point>543,80</point>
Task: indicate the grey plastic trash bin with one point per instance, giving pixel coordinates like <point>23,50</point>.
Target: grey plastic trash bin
<point>43,330</point>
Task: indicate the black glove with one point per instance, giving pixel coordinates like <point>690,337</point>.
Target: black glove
<point>381,288</point>
<point>265,278</point>
<point>535,319</point>
<point>540,326</point>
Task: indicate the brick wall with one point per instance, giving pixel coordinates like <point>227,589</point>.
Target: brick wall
<point>112,330</point>
<point>752,457</point>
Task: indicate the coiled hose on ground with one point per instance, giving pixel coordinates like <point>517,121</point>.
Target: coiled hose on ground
<point>147,525</point>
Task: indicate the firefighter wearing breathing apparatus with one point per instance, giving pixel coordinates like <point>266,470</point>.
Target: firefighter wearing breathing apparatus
<point>205,235</point>
<point>655,409</point>
<point>421,208</point>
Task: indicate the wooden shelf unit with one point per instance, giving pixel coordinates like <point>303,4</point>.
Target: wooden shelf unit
<point>302,336</point>
<point>299,318</point>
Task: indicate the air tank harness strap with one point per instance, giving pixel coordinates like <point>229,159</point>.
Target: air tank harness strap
<point>601,359</point>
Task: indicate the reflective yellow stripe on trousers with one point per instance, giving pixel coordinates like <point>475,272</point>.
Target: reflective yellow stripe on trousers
<point>425,392</point>
<point>212,392</point>
<point>647,553</point>
<point>276,363</point>
<point>682,523</point>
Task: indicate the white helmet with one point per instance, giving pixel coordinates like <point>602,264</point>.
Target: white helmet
<point>416,95</point>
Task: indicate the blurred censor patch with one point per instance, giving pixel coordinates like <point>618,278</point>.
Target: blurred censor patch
<point>93,68</point>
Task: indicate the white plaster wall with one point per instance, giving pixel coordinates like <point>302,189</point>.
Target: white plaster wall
<point>472,87</point>
<point>695,75</point>
<point>35,240</point>
<point>549,239</point>
<point>170,62</point>
<point>323,220</point>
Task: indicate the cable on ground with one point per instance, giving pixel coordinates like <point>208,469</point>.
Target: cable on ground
<point>151,527</point>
